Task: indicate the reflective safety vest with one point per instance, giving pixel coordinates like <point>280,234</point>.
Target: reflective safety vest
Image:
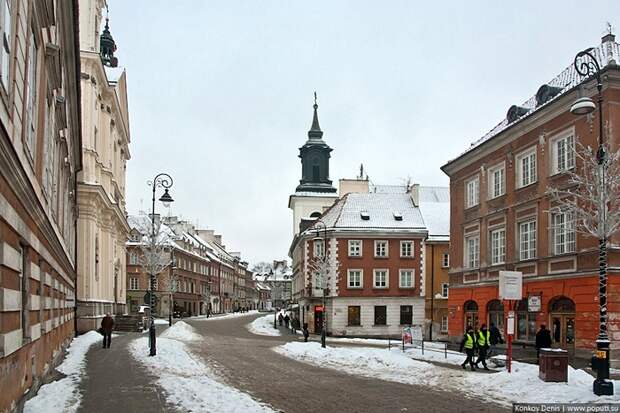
<point>469,341</point>
<point>483,339</point>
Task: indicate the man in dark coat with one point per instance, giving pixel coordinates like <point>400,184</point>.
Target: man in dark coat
<point>543,339</point>
<point>496,338</point>
<point>107,325</point>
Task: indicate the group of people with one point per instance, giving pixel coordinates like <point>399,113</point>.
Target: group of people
<point>290,320</point>
<point>483,341</point>
<point>241,309</point>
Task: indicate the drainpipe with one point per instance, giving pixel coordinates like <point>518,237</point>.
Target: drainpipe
<point>430,333</point>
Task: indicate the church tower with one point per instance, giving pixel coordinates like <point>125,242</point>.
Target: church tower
<point>315,191</point>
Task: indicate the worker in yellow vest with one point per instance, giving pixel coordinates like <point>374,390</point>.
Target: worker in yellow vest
<point>483,341</point>
<point>469,344</point>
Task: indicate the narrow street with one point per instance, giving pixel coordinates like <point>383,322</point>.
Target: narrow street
<point>247,362</point>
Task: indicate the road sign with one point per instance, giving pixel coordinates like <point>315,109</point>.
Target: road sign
<point>510,285</point>
<point>534,303</point>
<point>510,323</point>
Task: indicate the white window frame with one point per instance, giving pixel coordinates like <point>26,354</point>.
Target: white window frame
<point>497,189</point>
<point>361,278</point>
<point>528,175</point>
<point>400,278</point>
<point>445,260</point>
<point>564,234</point>
<point>411,245</point>
<point>5,46</point>
<point>472,192</point>
<point>444,324</point>
<point>134,283</point>
<point>355,247</point>
<point>31,96</point>
<point>133,258</point>
<point>386,248</point>
<point>387,278</point>
<point>527,242</point>
<point>563,152</point>
<point>498,246</point>
<point>318,248</point>
<point>472,251</point>
<point>445,290</point>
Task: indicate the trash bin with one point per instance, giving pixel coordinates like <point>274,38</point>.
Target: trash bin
<point>553,365</point>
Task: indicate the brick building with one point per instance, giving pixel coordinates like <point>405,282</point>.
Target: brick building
<point>40,156</point>
<point>501,219</point>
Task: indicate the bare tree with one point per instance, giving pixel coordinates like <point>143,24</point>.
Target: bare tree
<point>262,267</point>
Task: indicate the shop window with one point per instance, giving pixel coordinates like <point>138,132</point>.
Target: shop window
<point>495,309</point>
<point>526,323</point>
<point>354,315</point>
<point>471,314</point>
<point>406,314</point>
<point>380,315</point>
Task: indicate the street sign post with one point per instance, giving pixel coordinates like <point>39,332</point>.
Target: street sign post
<point>511,291</point>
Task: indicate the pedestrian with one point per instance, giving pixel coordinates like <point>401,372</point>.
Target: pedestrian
<point>496,338</point>
<point>484,336</point>
<point>543,339</point>
<point>468,343</point>
<point>280,319</point>
<point>306,333</point>
<point>107,325</point>
<point>287,319</point>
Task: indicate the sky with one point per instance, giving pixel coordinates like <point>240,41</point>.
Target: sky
<point>221,94</point>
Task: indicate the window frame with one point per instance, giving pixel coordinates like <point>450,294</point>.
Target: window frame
<point>318,248</point>
<point>31,95</point>
<point>531,250</point>
<point>359,247</point>
<point>568,235</point>
<point>445,290</point>
<point>500,248</point>
<point>473,199</point>
<point>476,259</point>
<point>443,329</point>
<point>569,152</point>
<point>521,156</point>
<point>400,278</point>
<point>411,244</point>
<point>6,37</point>
<point>401,315</point>
<point>134,283</point>
<point>445,260</point>
<point>384,315</point>
<point>387,278</point>
<point>361,278</point>
<point>501,167</point>
<point>359,316</point>
<point>386,249</point>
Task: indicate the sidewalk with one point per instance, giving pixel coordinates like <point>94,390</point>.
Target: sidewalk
<point>115,382</point>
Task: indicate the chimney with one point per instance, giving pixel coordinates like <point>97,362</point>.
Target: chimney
<point>414,192</point>
<point>347,186</point>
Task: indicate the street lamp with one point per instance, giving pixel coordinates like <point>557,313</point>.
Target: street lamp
<point>162,180</point>
<point>318,226</point>
<point>587,65</point>
<point>275,311</point>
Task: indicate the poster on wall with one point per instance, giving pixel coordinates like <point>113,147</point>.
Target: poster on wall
<point>534,303</point>
<point>510,285</point>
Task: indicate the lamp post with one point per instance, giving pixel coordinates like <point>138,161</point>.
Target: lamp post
<point>321,225</point>
<point>171,286</point>
<point>162,180</point>
<point>275,310</point>
<point>587,66</point>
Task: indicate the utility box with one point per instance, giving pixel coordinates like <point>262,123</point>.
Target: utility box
<point>553,365</point>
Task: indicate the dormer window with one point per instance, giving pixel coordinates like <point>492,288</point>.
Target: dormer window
<point>365,215</point>
<point>398,216</point>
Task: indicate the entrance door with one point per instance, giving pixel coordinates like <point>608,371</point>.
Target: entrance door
<point>563,330</point>
<point>318,319</point>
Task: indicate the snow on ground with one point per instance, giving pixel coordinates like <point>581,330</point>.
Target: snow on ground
<point>161,321</point>
<point>522,385</point>
<point>186,380</point>
<point>63,395</point>
<point>263,326</point>
<point>226,316</point>
<point>181,331</point>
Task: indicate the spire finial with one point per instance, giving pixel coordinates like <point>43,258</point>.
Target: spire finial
<point>315,104</point>
<point>315,130</point>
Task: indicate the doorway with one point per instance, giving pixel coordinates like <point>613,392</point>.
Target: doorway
<point>471,314</point>
<point>562,320</point>
<point>318,319</point>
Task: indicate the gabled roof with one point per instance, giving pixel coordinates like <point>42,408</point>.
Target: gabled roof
<point>435,207</point>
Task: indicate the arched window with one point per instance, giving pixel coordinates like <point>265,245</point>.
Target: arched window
<point>561,305</point>
<point>316,175</point>
<point>315,214</point>
<point>495,308</point>
<point>471,314</point>
<point>526,323</point>
<point>562,318</point>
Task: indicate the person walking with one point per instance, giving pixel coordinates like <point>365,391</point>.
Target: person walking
<point>468,343</point>
<point>496,338</point>
<point>543,339</point>
<point>305,331</point>
<point>287,319</point>
<point>280,319</point>
<point>107,325</point>
<point>484,337</point>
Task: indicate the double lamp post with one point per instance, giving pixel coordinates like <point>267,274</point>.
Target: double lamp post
<point>320,225</point>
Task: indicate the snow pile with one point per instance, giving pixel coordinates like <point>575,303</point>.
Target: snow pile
<point>63,395</point>
<point>161,321</point>
<point>263,326</point>
<point>188,382</point>
<point>224,316</point>
<point>181,331</point>
<point>522,385</point>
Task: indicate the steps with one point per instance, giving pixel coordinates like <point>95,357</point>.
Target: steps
<point>129,323</point>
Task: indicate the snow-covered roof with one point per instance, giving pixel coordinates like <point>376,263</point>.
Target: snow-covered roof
<point>388,189</point>
<point>435,207</point>
<point>315,194</point>
<point>607,54</point>
<point>381,209</point>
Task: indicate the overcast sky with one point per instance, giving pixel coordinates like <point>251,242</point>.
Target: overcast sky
<point>220,93</point>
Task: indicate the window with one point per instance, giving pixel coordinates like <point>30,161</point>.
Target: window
<point>354,279</point>
<point>318,248</point>
<point>406,249</point>
<point>381,279</point>
<point>444,324</point>
<point>31,96</point>
<point>133,258</point>
<point>444,290</point>
<point>133,284</point>
<point>498,246</point>
<point>527,240</point>
<point>497,181</point>
<point>380,315</point>
<point>5,49</point>
<point>472,251</point>
<point>526,168</point>
<point>355,248</point>
<point>381,248</point>
<point>563,153</point>
<point>406,315</point>
<point>406,278</point>
<point>354,315</point>
<point>445,260</point>
<point>563,226</point>
<point>472,192</point>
